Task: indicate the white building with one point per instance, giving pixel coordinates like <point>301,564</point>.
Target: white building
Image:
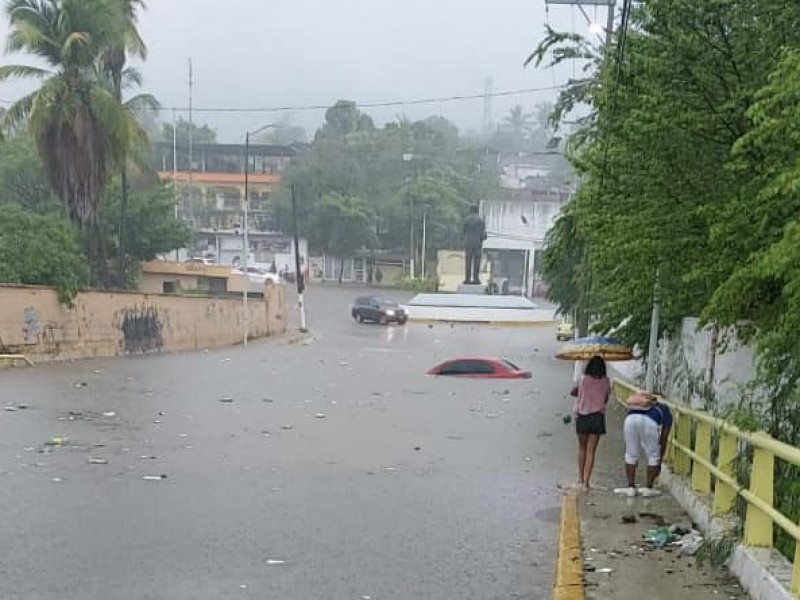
<point>516,225</point>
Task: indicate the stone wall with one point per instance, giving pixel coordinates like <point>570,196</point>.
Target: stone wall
<point>34,323</point>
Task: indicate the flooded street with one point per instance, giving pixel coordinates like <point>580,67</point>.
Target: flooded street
<point>330,469</point>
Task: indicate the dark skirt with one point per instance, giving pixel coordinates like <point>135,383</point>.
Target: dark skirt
<point>594,423</point>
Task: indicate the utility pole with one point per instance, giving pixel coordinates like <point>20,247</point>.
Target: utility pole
<point>191,156</point>
<point>408,157</point>
<point>649,380</point>
<point>175,169</point>
<point>424,237</point>
<point>246,239</point>
<point>299,275</point>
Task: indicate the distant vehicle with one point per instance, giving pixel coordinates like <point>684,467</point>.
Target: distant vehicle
<point>488,368</point>
<point>257,275</point>
<point>378,310</point>
<point>200,261</point>
<point>565,331</point>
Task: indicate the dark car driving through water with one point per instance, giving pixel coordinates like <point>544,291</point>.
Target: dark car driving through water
<point>378,310</point>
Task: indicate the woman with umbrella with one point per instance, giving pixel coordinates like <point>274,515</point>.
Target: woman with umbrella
<point>591,392</point>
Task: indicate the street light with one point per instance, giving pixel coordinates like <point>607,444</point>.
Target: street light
<point>246,240</point>
<point>408,157</point>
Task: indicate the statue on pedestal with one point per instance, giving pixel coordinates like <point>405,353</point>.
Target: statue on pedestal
<point>474,236</point>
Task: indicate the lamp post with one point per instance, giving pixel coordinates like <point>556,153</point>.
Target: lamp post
<point>408,157</point>
<point>245,232</point>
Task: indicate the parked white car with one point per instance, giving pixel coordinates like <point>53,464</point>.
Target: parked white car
<point>256,275</point>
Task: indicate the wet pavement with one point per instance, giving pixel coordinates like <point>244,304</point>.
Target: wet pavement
<point>328,469</point>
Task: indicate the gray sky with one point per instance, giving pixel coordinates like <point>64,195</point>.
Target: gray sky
<point>259,53</point>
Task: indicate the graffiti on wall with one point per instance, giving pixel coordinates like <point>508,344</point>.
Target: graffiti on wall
<point>141,331</point>
<point>31,325</point>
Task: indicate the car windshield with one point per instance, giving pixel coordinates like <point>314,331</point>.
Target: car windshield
<point>510,364</point>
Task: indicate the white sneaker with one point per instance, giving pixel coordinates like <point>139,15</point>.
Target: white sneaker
<point>650,493</point>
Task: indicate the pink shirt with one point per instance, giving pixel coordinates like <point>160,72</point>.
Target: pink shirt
<point>592,395</point>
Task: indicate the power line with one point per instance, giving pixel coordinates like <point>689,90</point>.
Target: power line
<point>369,104</point>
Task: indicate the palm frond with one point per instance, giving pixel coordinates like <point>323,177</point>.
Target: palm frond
<point>23,71</point>
<point>142,102</point>
<point>131,77</point>
<point>18,113</point>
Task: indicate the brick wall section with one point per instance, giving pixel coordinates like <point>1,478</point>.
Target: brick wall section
<point>34,323</point>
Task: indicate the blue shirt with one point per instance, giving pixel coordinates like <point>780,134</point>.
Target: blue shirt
<point>661,414</point>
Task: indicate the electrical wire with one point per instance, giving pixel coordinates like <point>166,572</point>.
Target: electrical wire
<point>367,104</point>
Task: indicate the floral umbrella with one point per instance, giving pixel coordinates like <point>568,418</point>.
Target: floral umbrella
<point>607,348</point>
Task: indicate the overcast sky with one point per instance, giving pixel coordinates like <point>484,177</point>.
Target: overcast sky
<point>268,53</point>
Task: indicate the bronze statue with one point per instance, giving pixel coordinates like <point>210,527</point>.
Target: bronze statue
<point>474,235</point>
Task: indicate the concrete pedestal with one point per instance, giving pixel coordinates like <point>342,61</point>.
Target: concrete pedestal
<point>472,288</point>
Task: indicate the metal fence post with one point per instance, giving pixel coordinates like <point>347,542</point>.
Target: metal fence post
<point>725,495</point>
<point>758,525</point>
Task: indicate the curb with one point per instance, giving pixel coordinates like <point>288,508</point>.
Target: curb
<point>568,583</point>
<point>490,323</point>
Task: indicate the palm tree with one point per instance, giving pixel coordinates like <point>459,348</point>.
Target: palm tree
<point>81,130</point>
<point>127,42</point>
<point>519,122</point>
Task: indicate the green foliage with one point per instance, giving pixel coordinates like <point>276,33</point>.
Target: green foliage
<point>423,164</point>
<point>151,225</point>
<point>22,180</point>
<point>201,134</point>
<point>341,224</point>
<point>428,285</point>
<point>689,171</point>
<point>41,250</point>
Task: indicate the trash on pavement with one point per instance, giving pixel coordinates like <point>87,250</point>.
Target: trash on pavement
<point>10,408</point>
<point>567,419</point>
<point>287,427</point>
<point>690,543</point>
<point>604,570</point>
<point>226,399</point>
<point>82,384</point>
<point>109,413</point>
<point>320,415</point>
<point>57,480</point>
<point>154,477</point>
<point>57,441</point>
<point>96,460</point>
<point>659,536</point>
<point>275,561</point>
<point>629,519</point>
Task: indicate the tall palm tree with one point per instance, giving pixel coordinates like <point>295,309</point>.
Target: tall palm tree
<point>127,42</point>
<point>519,122</point>
<point>81,130</point>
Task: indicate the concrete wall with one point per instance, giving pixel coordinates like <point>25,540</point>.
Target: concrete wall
<point>34,323</point>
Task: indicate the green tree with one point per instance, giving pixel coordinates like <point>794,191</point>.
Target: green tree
<point>342,224</point>
<point>201,134</point>
<point>22,180</point>
<point>151,224</point>
<point>81,130</point>
<point>41,250</point>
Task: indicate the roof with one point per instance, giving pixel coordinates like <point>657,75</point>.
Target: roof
<point>220,178</point>
<point>255,149</point>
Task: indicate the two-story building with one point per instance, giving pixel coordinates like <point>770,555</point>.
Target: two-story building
<point>517,223</point>
<point>210,196</point>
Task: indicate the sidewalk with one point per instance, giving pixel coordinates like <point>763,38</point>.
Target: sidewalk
<point>638,570</point>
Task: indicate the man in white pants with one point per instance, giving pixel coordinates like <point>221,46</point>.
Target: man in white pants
<point>646,429</point>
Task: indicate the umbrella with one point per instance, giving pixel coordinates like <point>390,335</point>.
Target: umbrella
<point>607,348</point>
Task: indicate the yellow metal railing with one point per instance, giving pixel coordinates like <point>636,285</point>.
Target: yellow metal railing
<point>690,455</point>
<point>12,358</point>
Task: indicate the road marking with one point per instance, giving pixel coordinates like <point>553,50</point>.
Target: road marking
<point>568,583</point>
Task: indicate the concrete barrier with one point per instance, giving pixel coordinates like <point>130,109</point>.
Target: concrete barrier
<point>35,324</point>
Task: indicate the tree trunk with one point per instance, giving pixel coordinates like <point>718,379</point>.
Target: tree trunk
<point>122,258</point>
<point>341,270</point>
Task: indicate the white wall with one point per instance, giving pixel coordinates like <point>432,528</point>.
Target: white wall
<point>506,228</point>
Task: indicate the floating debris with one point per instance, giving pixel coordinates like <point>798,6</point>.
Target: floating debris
<point>154,477</point>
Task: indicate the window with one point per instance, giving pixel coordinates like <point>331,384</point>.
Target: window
<point>467,367</point>
<point>169,287</point>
